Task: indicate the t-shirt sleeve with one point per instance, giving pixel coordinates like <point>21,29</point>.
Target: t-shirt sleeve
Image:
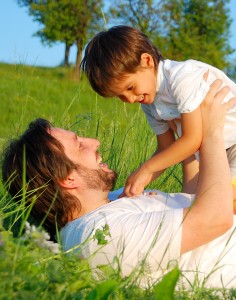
<point>151,238</point>
<point>188,86</point>
<point>158,125</point>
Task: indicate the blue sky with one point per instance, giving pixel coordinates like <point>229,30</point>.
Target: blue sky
<point>19,46</point>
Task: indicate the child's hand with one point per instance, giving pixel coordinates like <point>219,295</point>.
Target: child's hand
<point>137,181</point>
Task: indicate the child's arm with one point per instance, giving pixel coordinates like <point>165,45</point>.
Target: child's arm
<point>163,142</point>
<point>176,152</point>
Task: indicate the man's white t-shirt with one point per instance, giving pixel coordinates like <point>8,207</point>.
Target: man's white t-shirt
<point>181,89</point>
<point>146,231</point>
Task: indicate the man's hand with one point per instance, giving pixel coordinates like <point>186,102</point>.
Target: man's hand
<point>213,110</point>
<point>137,181</point>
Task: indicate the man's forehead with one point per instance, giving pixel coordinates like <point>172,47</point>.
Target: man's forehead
<point>61,133</point>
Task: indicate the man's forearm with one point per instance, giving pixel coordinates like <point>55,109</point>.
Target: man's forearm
<point>211,214</point>
<point>214,186</point>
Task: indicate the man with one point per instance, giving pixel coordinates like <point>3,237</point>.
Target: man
<point>69,185</point>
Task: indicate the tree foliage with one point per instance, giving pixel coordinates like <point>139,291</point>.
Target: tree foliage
<point>181,29</point>
<point>67,21</point>
<point>197,29</point>
<point>145,15</point>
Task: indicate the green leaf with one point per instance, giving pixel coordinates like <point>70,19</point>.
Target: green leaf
<point>164,290</point>
<point>103,290</point>
<point>100,235</point>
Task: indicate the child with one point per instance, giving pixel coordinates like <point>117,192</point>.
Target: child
<point>123,62</point>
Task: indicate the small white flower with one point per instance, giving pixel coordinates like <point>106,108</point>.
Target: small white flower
<point>41,238</point>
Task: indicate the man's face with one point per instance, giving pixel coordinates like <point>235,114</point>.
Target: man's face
<point>83,152</point>
<point>138,87</point>
<point>97,179</point>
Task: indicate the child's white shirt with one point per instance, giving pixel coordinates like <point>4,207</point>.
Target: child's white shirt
<point>181,89</point>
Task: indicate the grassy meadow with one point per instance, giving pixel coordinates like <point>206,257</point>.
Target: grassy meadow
<point>31,92</point>
<point>30,266</point>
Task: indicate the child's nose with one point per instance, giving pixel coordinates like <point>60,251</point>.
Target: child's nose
<point>131,99</point>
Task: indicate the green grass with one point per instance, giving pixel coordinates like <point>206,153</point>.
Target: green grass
<point>29,271</point>
<point>29,92</point>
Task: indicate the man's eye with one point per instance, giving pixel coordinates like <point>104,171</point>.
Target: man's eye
<point>130,88</point>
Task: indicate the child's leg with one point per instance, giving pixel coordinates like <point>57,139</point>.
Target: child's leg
<point>231,154</point>
<point>190,175</point>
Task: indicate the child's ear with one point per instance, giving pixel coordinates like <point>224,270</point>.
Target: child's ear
<point>71,181</point>
<point>146,60</point>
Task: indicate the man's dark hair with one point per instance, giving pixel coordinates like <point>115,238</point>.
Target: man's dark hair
<point>38,155</point>
<point>113,53</point>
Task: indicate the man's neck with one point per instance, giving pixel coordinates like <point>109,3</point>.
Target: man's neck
<point>90,200</point>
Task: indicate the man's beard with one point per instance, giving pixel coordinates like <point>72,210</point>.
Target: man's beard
<point>98,179</point>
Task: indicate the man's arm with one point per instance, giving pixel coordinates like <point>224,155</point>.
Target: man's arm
<point>211,214</point>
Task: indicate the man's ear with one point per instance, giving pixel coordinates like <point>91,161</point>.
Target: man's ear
<point>71,181</point>
<point>146,60</point>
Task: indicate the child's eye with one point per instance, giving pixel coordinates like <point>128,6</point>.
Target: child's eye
<point>130,88</point>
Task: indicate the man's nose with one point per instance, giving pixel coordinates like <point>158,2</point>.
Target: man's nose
<point>91,143</point>
<point>94,143</point>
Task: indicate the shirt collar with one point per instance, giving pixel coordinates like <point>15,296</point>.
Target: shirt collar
<point>160,78</point>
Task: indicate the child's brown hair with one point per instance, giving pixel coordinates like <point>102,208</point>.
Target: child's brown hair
<point>113,53</point>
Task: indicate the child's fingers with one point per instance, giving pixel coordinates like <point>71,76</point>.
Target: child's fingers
<point>135,191</point>
<point>132,190</point>
<point>121,195</point>
<point>126,191</point>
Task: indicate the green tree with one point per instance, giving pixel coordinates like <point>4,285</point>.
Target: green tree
<point>67,21</point>
<point>181,29</point>
<point>145,15</point>
<point>197,29</point>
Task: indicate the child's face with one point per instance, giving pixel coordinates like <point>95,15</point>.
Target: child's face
<point>139,87</point>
